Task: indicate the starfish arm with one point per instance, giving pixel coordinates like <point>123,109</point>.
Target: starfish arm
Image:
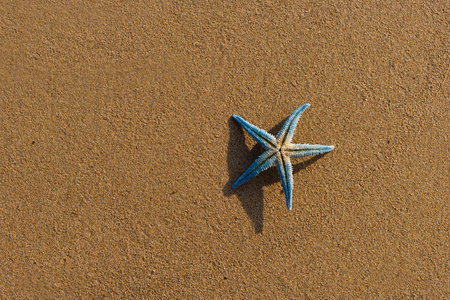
<point>284,167</point>
<point>264,138</point>
<point>299,150</point>
<point>287,132</point>
<point>265,161</point>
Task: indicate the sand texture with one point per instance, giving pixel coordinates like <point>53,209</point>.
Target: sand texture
<point>118,150</point>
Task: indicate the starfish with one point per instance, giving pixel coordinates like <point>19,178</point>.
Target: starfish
<point>279,150</point>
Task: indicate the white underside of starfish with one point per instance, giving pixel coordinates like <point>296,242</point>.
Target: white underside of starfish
<point>279,150</point>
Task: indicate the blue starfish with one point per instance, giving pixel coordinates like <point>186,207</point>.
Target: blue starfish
<point>279,150</point>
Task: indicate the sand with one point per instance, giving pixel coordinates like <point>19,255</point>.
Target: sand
<point>118,151</point>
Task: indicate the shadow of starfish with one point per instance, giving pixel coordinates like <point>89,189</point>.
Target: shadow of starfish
<point>239,158</point>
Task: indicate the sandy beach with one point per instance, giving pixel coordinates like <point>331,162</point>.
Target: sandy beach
<point>118,150</point>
